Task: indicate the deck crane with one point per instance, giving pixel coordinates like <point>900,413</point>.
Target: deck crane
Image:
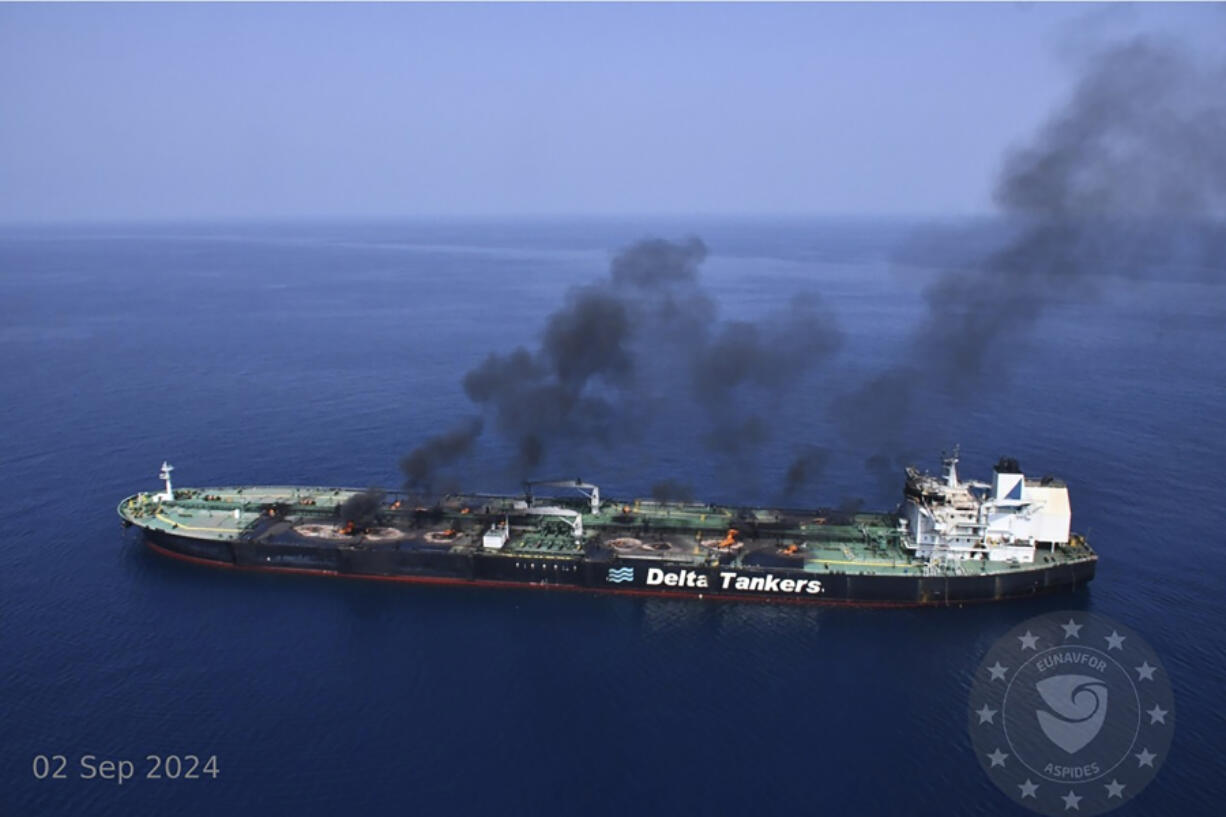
<point>590,491</point>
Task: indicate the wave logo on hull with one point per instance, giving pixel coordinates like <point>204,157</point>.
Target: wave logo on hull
<point>617,575</point>
<point>1080,705</point>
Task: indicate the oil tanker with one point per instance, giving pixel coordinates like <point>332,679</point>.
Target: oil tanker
<point>949,541</point>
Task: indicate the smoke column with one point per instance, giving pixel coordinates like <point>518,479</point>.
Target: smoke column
<point>645,334</point>
<point>423,462</point>
<point>362,508</point>
<point>1128,179</point>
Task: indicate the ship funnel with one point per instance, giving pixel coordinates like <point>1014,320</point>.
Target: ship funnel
<point>1007,481</point>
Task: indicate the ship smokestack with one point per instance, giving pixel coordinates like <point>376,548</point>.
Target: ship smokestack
<point>1007,480</point>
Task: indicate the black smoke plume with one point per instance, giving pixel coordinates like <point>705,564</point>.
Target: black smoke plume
<point>645,335</point>
<point>421,465</point>
<point>362,509</point>
<point>671,490</point>
<point>806,469</point>
<point>1127,180</point>
<point>769,354</point>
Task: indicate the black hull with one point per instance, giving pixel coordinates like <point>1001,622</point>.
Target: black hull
<point>631,577</point>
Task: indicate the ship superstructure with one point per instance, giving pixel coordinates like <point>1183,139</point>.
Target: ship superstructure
<point>949,542</point>
<point>1009,520</point>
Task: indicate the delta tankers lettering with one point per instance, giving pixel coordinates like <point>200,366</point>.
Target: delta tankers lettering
<point>949,542</point>
<point>731,581</point>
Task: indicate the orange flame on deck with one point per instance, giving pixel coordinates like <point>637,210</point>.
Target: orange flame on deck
<point>450,532</point>
<point>349,528</point>
<point>730,539</point>
<point>396,505</point>
<point>465,510</point>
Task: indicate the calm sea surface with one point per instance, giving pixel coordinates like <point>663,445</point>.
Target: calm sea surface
<point>321,353</point>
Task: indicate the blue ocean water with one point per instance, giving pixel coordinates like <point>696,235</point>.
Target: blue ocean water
<point>320,353</point>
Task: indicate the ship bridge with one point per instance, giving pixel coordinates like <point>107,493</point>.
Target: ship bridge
<point>1009,519</point>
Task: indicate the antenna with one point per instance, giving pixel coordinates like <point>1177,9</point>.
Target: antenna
<point>164,474</point>
<point>950,461</point>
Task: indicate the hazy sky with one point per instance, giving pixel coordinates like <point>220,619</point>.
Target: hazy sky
<point>237,110</point>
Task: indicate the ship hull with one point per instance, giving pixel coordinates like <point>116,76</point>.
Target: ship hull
<point>780,584</point>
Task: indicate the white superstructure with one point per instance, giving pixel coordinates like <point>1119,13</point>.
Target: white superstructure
<point>944,518</point>
<point>169,494</point>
